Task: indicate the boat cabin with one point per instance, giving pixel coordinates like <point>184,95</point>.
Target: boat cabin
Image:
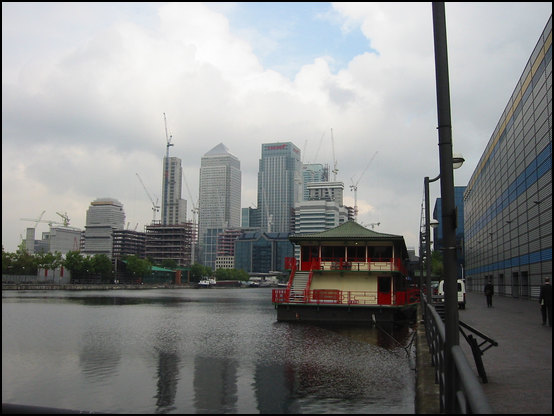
<point>347,266</point>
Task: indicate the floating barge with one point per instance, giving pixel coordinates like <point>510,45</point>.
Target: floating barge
<point>347,275</point>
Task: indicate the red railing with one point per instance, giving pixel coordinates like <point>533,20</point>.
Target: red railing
<point>339,297</point>
<point>355,264</point>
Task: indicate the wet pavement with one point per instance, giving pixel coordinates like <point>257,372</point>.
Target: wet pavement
<point>519,369</point>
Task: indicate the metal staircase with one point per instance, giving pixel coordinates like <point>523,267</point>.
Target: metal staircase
<point>299,285</point>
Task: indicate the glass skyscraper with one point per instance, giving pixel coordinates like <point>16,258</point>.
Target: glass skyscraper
<point>279,185</point>
<point>219,200</point>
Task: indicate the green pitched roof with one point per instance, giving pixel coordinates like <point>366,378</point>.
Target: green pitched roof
<point>348,231</point>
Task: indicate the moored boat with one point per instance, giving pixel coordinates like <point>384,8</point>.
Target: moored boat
<point>348,274</point>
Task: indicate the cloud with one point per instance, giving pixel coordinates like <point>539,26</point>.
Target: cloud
<point>85,86</point>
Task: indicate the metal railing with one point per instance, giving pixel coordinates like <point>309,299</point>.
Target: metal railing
<point>470,397</point>
<point>342,297</point>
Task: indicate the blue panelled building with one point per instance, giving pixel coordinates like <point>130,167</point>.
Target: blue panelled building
<point>508,200</point>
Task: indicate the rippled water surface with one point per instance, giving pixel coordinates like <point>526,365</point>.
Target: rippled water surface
<point>194,351</point>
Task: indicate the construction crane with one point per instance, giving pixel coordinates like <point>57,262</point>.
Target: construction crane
<point>65,218</point>
<point>155,206</point>
<point>35,220</point>
<point>167,138</point>
<point>165,190</point>
<point>354,186</point>
<point>335,169</point>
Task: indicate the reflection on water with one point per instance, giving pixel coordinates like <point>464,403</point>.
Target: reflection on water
<point>217,351</point>
<point>168,372</point>
<point>215,385</point>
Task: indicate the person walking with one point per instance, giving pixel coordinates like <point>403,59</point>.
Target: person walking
<point>545,299</point>
<point>489,291</point>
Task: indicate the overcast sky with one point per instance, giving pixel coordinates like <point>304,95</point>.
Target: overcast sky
<point>85,86</point>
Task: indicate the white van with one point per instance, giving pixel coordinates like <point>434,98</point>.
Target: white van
<point>461,293</point>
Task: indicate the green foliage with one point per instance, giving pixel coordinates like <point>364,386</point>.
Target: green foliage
<point>197,271</point>
<point>437,267</point>
<point>75,263</point>
<point>137,267</point>
<point>169,264</point>
<point>231,274</point>
<point>102,265</point>
<point>19,263</point>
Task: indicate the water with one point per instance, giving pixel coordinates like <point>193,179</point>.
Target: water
<point>194,351</point>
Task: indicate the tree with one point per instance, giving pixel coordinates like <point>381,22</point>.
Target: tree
<point>76,264</point>
<point>22,262</point>
<point>169,264</point>
<point>231,274</point>
<point>137,268</point>
<point>436,264</point>
<point>102,265</point>
<point>50,261</point>
<point>197,271</point>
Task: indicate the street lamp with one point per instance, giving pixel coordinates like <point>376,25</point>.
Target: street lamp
<point>448,205</point>
<point>457,161</point>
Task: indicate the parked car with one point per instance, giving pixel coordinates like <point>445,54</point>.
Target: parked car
<point>461,293</point>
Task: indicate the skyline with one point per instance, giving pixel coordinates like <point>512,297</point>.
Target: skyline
<point>89,83</point>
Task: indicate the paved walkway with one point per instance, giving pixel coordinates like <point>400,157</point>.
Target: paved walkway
<point>519,369</point>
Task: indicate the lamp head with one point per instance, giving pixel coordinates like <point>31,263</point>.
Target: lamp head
<point>457,160</point>
<point>433,223</point>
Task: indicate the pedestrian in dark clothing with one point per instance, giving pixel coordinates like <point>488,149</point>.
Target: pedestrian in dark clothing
<point>489,291</point>
<point>545,299</point>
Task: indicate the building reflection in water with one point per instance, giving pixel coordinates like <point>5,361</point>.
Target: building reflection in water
<point>215,385</point>
<point>99,355</point>
<point>168,372</point>
<point>274,389</point>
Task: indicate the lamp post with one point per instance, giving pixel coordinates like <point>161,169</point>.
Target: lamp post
<point>448,204</point>
<point>457,162</point>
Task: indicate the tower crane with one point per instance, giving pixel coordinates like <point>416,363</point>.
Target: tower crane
<point>165,190</point>
<point>335,169</point>
<point>155,206</point>
<point>354,186</point>
<point>36,220</point>
<point>65,218</point>
<point>167,138</point>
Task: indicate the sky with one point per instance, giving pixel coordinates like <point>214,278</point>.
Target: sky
<point>85,87</point>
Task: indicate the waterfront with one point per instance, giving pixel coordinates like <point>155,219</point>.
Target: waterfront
<point>194,351</point>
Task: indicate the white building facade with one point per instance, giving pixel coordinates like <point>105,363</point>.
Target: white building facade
<point>103,216</point>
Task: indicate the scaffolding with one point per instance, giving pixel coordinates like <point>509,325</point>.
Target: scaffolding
<point>170,242</point>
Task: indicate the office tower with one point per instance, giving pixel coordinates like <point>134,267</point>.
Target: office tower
<point>322,210</point>
<point>313,172</point>
<point>279,185</point>
<point>261,252</point>
<point>174,209</point>
<point>103,216</point>
<point>226,248</point>
<point>508,200</point>
<point>219,200</point>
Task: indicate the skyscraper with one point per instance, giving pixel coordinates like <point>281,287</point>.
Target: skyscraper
<point>103,216</point>
<point>219,200</point>
<point>279,185</point>
<point>174,209</point>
